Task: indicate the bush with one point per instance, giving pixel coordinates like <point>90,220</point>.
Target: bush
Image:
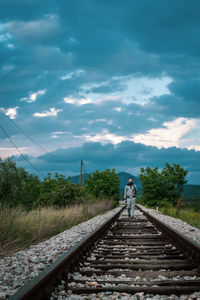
<point>162,188</point>
<point>66,195</point>
<point>16,185</point>
<point>104,184</point>
<point>188,215</point>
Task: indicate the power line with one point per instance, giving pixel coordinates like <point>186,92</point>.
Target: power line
<point>30,138</point>
<point>6,134</point>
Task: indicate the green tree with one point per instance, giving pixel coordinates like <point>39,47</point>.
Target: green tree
<point>103,184</point>
<point>17,186</point>
<point>160,188</point>
<point>152,191</point>
<point>60,193</point>
<point>174,176</point>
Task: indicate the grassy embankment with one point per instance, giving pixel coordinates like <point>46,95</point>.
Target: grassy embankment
<point>189,211</point>
<point>19,229</point>
<point>188,215</point>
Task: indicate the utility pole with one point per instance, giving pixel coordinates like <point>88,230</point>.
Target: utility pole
<point>81,172</point>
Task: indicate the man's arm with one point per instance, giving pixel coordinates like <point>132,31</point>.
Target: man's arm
<point>135,188</point>
<point>125,195</point>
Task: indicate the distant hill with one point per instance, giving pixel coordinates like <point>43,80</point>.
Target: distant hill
<point>189,191</point>
<point>76,179</point>
<point>123,176</point>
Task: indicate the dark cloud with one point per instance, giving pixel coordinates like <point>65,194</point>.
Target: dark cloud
<point>188,91</point>
<point>111,41</point>
<point>175,106</point>
<point>124,156</point>
<point>23,10</point>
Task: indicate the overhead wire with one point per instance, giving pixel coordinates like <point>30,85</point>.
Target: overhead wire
<point>21,153</point>
<point>34,142</point>
<point>30,138</point>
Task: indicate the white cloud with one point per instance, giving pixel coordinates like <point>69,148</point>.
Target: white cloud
<point>77,73</point>
<point>118,109</point>
<point>89,86</point>
<point>171,135</point>
<point>4,34</point>
<point>32,97</point>
<point>36,30</point>
<point>109,122</point>
<point>11,112</point>
<point>176,133</point>
<point>9,151</point>
<point>93,99</point>
<point>8,68</point>
<point>104,137</point>
<point>194,147</point>
<point>76,101</point>
<point>134,90</point>
<point>11,46</point>
<point>140,90</point>
<point>57,134</point>
<point>51,113</point>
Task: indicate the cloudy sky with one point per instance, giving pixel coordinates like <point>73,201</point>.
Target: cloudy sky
<point>115,83</point>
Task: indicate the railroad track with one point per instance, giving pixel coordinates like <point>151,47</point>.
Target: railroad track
<point>123,255</point>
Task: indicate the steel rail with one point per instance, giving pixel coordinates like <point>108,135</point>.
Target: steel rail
<point>189,247</point>
<point>42,285</point>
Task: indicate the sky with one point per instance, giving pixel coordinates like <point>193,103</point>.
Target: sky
<point>114,83</point>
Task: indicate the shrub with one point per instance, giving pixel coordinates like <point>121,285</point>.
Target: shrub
<point>104,184</point>
<point>162,188</point>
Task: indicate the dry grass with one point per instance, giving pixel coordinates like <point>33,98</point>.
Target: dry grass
<point>188,215</point>
<point>20,229</point>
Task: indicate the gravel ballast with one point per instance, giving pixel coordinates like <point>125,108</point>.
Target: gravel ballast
<point>189,231</point>
<point>20,267</point>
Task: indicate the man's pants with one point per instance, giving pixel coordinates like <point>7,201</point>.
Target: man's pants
<point>131,206</point>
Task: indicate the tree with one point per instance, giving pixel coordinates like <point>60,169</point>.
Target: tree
<point>55,193</point>
<point>103,184</point>
<point>17,186</point>
<point>175,176</point>
<point>160,188</point>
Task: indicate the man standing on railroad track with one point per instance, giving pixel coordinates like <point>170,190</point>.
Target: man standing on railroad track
<point>130,192</point>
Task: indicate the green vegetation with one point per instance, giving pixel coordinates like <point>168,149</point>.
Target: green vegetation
<point>166,190</point>
<point>162,188</point>
<point>18,187</point>
<point>104,185</point>
<point>33,210</point>
<point>189,212</point>
<point>188,215</point>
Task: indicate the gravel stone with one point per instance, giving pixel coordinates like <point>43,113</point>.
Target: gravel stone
<point>189,231</point>
<point>20,267</point>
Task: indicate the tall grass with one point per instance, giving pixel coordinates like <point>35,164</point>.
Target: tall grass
<point>189,211</point>
<point>188,215</point>
<point>19,229</point>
